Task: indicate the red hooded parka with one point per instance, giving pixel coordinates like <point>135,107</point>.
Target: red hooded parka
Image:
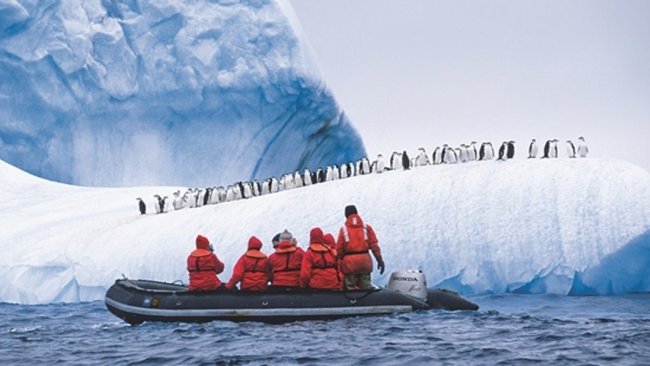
<point>284,264</point>
<point>319,264</point>
<point>251,268</point>
<point>203,266</point>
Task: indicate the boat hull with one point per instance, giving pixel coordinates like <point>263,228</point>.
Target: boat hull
<point>137,301</point>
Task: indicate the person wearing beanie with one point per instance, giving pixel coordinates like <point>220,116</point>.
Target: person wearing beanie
<point>353,245</point>
<point>284,264</point>
<point>204,266</point>
<point>319,268</point>
<point>250,269</point>
<point>276,240</point>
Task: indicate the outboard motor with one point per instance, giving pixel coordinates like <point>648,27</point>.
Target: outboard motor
<point>410,282</point>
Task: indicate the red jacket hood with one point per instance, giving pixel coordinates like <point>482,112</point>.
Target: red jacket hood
<point>254,243</point>
<point>202,242</point>
<point>354,220</point>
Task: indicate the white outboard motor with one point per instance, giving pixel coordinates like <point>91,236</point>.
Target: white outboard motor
<point>409,282</point>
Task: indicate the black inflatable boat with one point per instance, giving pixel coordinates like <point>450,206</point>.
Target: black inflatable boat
<point>137,301</point>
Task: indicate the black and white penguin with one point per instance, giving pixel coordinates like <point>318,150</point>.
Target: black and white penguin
<point>160,204</point>
<point>443,154</point>
<point>422,159</point>
<point>314,177</point>
<point>570,149</point>
<point>435,157</point>
<point>503,151</point>
<point>554,149</point>
<point>206,196</point>
<point>343,169</point>
<point>306,177</point>
<point>395,160</point>
<point>320,175</point>
<point>221,192</point>
<point>231,193</point>
<point>547,149</point>
<point>463,153</point>
<point>178,201</point>
<point>381,164</point>
<point>141,206</point>
<point>336,173</point>
<point>583,150</point>
<point>365,166</point>
<point>406,161</point>
<point>266,186</point>
<point>297,180</point>
<point>532,149</point>
<point>511,150</point>
<point>472,153</point>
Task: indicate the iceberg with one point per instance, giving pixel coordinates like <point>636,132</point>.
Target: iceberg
<point>562,226</point>
<point>192,93</point>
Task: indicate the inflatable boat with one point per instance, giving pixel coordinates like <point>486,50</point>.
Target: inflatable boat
<point>137,301</point>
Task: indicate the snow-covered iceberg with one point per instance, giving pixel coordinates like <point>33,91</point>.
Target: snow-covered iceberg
<point>174,92</point>
<point>528,226</point>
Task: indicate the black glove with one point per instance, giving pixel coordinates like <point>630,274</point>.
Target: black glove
<point>380,266</point>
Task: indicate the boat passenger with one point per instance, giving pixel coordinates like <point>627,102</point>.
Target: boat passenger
<point>276,240</point>
<point>284,264</point>
<point>250,269</point>
<point>319,264</point>
<point>355,240</point>
<point>204,266</point>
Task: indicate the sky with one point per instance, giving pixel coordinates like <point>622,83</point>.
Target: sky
<point>421,73</point>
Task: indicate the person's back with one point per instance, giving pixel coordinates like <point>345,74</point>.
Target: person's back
<point>319,264</point>
<point>204,266</point>
<point>285,262</point>
<point>251,269</point>
<point>354,243</point>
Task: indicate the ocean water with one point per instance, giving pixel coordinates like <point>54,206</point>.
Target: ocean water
<point>507,330</point>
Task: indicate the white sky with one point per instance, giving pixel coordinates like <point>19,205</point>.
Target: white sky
<point>415,73</point>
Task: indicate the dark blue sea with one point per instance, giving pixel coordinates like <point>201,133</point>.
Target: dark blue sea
<point>507,330</point>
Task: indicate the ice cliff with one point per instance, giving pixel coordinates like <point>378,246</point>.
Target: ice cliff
<point>172,92</point>
<point>528,226</point>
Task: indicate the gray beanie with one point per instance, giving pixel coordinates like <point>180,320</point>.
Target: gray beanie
<point>285,235</point>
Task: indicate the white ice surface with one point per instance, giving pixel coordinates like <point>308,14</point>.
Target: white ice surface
<point>523,226</point>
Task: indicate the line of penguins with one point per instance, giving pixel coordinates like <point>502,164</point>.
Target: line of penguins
<point>445,154</point>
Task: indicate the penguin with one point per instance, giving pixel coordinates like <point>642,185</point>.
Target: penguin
<point>166,203</point>
<point>583,150</point>
<point>199,195</point>
<point>314,177</point>
<point>247,189</point>
<point>511,150</point>
<point>365,166</point>
<point>141,206</point>
<point>443,155</point>
<point>256,188</point>
<point>230,193</point>
<point>406,161</point>
<point>221,192</point>
<point>159,203</point>
<point>481,152</point>
<point>306,177</point>
<point>395,160</point>
<point>502,151</point>
<point>532,149</point>
<point>344,170</point>
<point>297,180</point>
<point>381,164</point>
<point>422,158</point>
<point>472,154</point>
<point>274,186</point>
<point>547,149</point>
<point>554,153</point>
<point>570,149</point>
<point>206,196</point>
<point>266,186</point>
<point>435,157</point>
<point>350,170</point>
<point>178,202</point>
<point>335,172</point>
<point>320,175</point>
<point>328,174</point>
<point>463,153</point>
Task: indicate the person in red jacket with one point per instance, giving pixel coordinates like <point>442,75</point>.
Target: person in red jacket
<point>319,264</point>
<point>284,263</point>
<point>355,240</point>
<point>204,266</point>
<point>250,269</point>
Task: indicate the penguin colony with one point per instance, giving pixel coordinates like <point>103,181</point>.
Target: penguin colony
<point>445,154</point>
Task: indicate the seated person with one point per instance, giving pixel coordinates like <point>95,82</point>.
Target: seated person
<point>204,266</point>
<point>250,269</point>
<point>284,264</point>
<point>319,264</point>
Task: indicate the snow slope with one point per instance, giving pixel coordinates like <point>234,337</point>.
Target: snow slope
<point>539,226</point>
<point>174,92</point>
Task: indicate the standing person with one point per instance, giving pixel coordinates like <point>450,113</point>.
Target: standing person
<point>284,264</point>
<point>319,264</point>
<point>204,266</point>
<point>250,269</point>
<point>355,240</point>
